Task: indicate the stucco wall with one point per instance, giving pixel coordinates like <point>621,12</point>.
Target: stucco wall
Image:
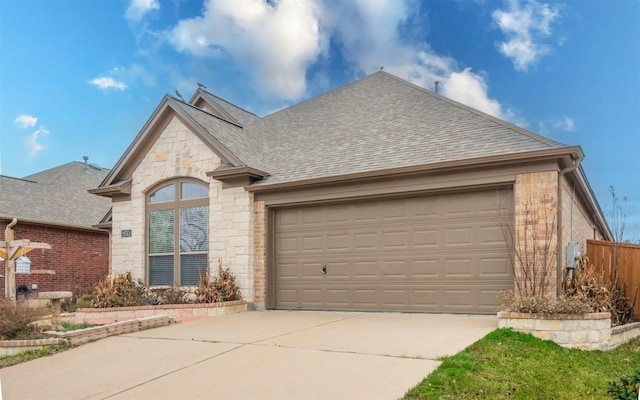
<point>179,153</point>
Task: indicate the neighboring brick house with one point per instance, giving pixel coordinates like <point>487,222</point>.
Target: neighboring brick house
<point>379,195</point>
<point>54,207</point>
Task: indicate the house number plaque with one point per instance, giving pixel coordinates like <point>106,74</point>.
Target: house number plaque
<point>125,233</point>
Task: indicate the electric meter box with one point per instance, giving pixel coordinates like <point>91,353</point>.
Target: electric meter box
<point>573,252</point>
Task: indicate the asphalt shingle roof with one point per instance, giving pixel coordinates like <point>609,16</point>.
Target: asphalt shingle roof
<point>56,196</point>
<point>377,123</point>
<point>382,122</point>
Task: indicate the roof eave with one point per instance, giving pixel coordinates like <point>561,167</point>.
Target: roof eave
<point>235,173</point>
<point>123,187</point>
<point>33,221</point>
<point>538,155</point>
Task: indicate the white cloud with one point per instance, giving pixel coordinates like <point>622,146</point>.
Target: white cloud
<point>107,83</point>
<point>139,8</point>
<point>368,32</point>
<point>33,142</point>
<point>564,124</point>
<point>25,121</point>
<point>525,25</point>
<point>277,42</point>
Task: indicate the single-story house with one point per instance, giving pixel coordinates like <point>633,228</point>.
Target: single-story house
<point>54,207</point>
<point>379,195</point>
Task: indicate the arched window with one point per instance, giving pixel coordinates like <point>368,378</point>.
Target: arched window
<point>177,213</point>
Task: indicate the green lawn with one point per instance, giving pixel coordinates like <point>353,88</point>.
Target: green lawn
<point>508,364</point>
<point>7,361</point>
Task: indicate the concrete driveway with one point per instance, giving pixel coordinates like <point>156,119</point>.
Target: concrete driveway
<point>254,355</point>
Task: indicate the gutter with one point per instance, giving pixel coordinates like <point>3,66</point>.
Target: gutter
<point>52,224</point>
<point>571,168</point>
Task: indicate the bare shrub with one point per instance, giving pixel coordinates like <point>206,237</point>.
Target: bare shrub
<point>532,245</point>
<point>16,321</point>
<point>173,295</point>
<point>222,288</point>
<point>121,291</point>
<point>545,305</point>
<point>590,284</point>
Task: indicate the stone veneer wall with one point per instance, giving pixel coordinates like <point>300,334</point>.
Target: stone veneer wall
<point>179,153</point>
<point>585,331</point>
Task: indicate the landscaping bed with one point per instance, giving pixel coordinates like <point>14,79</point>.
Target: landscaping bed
<point>176,311</point>
<point>508,364</point>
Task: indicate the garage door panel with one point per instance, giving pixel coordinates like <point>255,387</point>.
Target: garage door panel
<point>498,267</point>
<point>365,212</point>
<point>395,298</point>
<point>288,271</point>
<point>426,268</point>
<point>456,236</point>
<point>490,235</point>
<point>287,219</point>
<point>458,268</point>
<point>398,269</point>
<point>338,242</point>
<point>395,239</point>
<point>364,241</point>
<point>424,238</point>
<point>313,217</point>
<point>364,297</point>
<point>365,269</point>
<point>339,215</point>
<point>287,244</point>
<point>427,254</point>
<point>313,243</point>
<point>339,297</point>
<point>425,299</point>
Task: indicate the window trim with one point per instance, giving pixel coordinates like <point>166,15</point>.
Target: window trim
<point>174,205</point>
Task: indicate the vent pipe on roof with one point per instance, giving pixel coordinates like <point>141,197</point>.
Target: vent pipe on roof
<point>436,83</point>
<point>85,158</point>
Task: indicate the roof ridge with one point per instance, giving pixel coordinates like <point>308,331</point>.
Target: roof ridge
<point>237,124</point>
<point>229,103</point>
<point>18,179</point>
<point>482,114</point>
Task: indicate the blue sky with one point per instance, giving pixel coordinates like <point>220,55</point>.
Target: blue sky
<point>81,77</point>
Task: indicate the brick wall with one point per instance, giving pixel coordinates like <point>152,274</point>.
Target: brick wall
<point>80,258</point>
<point>536,208</point>
<point>578,226</point>
<point>260,246</point>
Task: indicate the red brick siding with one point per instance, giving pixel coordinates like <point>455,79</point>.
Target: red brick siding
<point>80,258</point>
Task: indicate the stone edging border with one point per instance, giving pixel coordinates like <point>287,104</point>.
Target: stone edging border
<point>81,336</point>
<point>172,310</point>
<point>591,331</point>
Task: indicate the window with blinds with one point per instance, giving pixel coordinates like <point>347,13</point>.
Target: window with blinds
<point>177,212</point>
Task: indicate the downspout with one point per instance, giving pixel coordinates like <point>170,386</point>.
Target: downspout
<point>571,168</point>
<point>13,223</point>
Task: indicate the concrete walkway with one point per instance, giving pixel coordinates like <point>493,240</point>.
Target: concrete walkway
<point>254,355</point>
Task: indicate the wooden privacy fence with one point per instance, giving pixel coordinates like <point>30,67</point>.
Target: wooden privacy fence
<point>603,256</point>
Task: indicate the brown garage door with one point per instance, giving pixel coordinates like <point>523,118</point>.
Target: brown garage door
<point>441,253</point>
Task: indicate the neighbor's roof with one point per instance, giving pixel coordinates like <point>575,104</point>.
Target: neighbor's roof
<point>380,122</point>
<point>57,196</point>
